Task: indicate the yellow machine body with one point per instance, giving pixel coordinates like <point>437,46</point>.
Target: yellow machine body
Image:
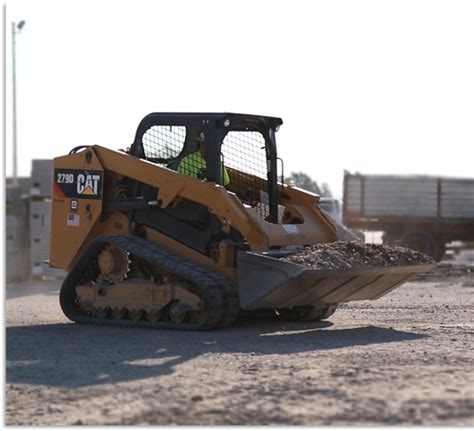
<point>116,259</point>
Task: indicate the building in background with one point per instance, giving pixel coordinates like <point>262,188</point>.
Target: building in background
<point>28,225</point>
<point>17,235</point>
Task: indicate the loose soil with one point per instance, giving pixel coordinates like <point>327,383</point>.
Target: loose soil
<point>405,359</point>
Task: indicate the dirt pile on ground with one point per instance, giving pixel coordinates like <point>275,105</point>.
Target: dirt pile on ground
<point>354,254</point>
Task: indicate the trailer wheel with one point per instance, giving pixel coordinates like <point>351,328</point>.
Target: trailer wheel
<point>421,241</point>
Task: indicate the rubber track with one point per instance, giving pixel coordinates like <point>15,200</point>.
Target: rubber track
<point>219,295</point>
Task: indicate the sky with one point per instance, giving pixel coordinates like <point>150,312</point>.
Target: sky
<point>364,86</point>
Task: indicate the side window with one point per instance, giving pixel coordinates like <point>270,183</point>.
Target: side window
<point>163,143</point>
<point>245,152</point>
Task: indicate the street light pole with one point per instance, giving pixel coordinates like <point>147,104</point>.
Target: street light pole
<point>16,28</point>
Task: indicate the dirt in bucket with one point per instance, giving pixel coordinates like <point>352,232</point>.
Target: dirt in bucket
<point>354,254</point>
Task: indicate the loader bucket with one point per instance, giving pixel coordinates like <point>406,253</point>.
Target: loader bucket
<point>267,282</point>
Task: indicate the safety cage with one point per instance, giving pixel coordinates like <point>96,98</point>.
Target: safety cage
<point>237,151</point>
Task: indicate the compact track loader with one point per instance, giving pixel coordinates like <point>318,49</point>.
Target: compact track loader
<point>191,225</point>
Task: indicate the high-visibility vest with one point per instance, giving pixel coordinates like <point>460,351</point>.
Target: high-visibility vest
<point>195,166</point>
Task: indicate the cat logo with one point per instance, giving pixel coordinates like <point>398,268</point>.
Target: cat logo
<point>88,184</point>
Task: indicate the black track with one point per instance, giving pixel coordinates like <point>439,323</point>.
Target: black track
<point>220,298</point>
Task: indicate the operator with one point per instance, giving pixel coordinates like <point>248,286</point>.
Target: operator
<point>194,164</point>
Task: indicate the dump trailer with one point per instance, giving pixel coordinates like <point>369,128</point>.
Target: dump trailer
<point>190,225</point>
<point>420,212</point>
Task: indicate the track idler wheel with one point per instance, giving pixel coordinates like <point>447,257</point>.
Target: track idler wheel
<point>177,311</point>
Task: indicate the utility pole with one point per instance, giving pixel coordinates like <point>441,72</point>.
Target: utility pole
<point>4,83</point>
<point>16,29</point>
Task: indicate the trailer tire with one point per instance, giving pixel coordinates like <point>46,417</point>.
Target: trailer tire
<point>421,241</point>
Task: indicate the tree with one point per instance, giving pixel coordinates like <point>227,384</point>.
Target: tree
<point>304,181</point>
<point>325,190</point>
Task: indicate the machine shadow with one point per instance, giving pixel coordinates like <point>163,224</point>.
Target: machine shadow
<point>73,355</point>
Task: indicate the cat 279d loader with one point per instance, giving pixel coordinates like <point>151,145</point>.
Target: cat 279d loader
<point>150,241</point>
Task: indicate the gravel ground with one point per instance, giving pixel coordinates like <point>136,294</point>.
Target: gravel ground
<point>405,359</point>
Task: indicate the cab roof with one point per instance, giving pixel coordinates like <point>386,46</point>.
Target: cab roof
<point>196,119</point>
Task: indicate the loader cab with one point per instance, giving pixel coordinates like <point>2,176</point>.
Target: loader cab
<point>244,145</point>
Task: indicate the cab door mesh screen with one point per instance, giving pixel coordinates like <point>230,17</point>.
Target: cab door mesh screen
<point>245,152</point>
